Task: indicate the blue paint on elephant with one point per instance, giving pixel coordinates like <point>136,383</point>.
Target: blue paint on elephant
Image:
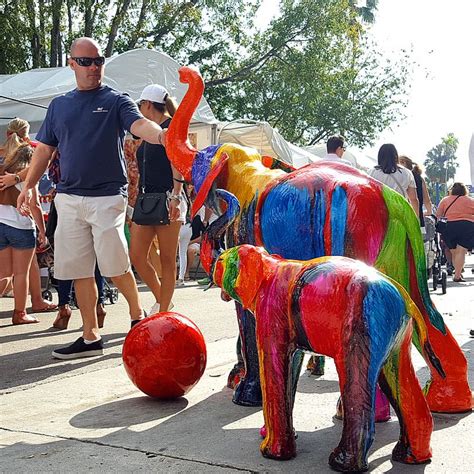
<point>338,221</point>
<point>318,220</point>
<point>380,303</point>
<point>202,165</point>
<point>285,222</point>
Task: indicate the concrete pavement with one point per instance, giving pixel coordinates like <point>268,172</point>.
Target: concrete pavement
<point>86,416</point>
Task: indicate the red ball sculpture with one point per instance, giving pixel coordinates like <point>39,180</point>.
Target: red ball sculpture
<point>165,355</point>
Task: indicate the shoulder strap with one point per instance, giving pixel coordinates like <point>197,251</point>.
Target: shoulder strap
<point>144,165</point>
<point>445,212</point>
<point>392,175</point>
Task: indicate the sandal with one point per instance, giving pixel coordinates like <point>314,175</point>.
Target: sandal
<point>47,308</point>
<point>62,319</point>
<point>20,317</point>
<point>459,280</point>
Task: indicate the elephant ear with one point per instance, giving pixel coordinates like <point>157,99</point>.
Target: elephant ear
<point>250,277</point>
<point>207,183</point>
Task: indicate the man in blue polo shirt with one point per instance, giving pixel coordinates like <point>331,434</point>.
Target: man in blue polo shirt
<point>87,127</point>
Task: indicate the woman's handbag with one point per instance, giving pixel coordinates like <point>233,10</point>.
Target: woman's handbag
<point>150,208</point>
<point>442,222</point>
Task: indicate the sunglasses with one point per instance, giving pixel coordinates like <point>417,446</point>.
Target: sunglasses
<point>86,62</point>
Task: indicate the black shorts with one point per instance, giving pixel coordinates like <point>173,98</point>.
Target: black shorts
<point>459,233</point>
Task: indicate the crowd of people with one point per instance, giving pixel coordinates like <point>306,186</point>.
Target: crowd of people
<point>98,177</point>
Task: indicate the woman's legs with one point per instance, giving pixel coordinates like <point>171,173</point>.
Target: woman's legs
<point>140,241</point>
<point>168,237</point>
<point>193,251</point>
<point>185,233</point>
<point>37,302</point>
<point>154,257</point>
<point>17,262</point>
<point>459,257</point>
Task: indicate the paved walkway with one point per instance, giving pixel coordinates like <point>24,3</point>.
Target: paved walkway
<point>86,416</point>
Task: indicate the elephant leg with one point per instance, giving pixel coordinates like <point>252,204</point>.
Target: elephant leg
<point>358,401</point>
<point>382,407</point>
<point>278,400</point>
<point>238,371</point>
<point>398,381</point>
<point>248,391</point>
<point>451,394</point>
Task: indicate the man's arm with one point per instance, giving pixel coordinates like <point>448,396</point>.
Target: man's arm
<point>149,131</point>
<point>39,163</point>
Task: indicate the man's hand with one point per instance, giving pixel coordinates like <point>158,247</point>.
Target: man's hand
<point>23,202</point>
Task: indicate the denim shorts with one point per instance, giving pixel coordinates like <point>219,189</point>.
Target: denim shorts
<point>16,238</point>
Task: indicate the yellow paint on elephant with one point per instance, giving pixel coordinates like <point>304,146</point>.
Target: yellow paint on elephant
<point>247,176</point>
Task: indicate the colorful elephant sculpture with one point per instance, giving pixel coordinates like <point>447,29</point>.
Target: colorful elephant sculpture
<point>346,310</point>
<point>322,209</point>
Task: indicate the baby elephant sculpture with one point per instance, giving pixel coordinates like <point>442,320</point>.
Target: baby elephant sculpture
<point>343,309</point>
<point>338,307</point>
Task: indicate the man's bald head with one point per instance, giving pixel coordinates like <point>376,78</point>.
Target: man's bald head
<point>87,63</point>
<point>79,45</point>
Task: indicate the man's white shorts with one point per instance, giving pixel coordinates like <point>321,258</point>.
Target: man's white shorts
<point>90,228</point>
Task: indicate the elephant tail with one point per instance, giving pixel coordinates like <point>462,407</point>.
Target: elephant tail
<point>178,148</point>
<point>418,320</point>
<point>211,245</point>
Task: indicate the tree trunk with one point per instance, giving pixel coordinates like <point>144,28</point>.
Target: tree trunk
<point>116,22</point>
<point>42,36</point>
<point>141,20</point>
<point>54,56</point>
<point>89,17</point>
<point>34,35</point>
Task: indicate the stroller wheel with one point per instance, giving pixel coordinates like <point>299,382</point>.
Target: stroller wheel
<point>444,280</point>
<point>47,295</point>
<point>113,297</point>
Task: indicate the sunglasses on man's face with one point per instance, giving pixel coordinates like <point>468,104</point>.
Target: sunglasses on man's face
<point>86,62</point>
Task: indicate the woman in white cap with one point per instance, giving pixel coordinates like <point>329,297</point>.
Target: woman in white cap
<point>157,175</point>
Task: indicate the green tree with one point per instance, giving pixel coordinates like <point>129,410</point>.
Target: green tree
<point>311,73</point>
<point>440,166</point>
<point>312,81</point>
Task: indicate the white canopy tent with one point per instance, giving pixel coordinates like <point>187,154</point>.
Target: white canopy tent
<point>130,72</point>
<point>265,139</point>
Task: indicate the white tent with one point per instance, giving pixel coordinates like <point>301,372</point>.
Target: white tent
<point>128,72</point>
<point>265,139</point>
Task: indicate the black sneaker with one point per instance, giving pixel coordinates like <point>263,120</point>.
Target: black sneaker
<point>80,349</point>
<point>134,322</point>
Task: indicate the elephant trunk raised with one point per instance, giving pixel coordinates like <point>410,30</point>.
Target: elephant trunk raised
<point>178,148</point>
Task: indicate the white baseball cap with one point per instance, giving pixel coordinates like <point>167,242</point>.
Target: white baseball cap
<point>154,93</point>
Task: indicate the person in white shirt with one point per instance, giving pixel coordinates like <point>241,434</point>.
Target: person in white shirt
<point>335,149</point>
<point>394,176</point>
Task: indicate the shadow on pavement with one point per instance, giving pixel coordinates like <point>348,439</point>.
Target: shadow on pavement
<point>35,365</point>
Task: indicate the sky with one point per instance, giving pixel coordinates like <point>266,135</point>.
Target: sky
<point>441,99</point>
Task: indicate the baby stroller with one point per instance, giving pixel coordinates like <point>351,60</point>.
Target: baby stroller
<point>435,259</point>
<point>46,260</point>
